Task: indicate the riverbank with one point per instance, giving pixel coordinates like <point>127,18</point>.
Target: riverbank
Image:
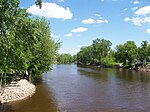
<point>118,66</point>
<point>145,69</point>
<point>16,91</point>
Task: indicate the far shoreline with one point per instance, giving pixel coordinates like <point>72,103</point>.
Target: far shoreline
<point>140,69</point>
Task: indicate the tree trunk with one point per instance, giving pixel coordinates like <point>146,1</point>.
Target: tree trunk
<point>1,80</point>
<point>5,79</point>
<point>30,78</point>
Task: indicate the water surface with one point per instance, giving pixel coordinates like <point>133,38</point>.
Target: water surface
<point>71,88</point>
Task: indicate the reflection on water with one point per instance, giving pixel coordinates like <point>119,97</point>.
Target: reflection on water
<point>72,88</point>
<point>84,89</point>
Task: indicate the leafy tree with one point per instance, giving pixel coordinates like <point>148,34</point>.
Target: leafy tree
<point>126,53</point>
<point>95,53</point>
<point>64,58</point>
<point>109,60</point>
<point>38,3</point>
<point>25,43</point>
<point>101,49</point>
<point>143,51</point>
<point>85,55</point>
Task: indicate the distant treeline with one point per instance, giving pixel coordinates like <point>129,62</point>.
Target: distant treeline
<point>100,53</point>
<point>65,58</point>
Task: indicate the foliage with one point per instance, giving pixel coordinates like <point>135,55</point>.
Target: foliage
<point>95,53</point>
<point>144,51</point>
<point>109,60</point>
<point>126,53</point>
<point>101,48</point>
<point>65,58</point>
<point>25,43</point>
<point>39,3</point>
<point>85,55</point>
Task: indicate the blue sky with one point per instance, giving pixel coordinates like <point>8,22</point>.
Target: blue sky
<point>77,22</point>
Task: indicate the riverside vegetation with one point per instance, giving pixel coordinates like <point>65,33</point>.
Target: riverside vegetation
<point>126,55</point>
<point>101,54</point>
<point>26,47</point>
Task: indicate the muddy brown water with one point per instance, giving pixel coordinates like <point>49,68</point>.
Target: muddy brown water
<point>72,88</point>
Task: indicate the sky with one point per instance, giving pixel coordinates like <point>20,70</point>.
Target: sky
<point>76,23</point>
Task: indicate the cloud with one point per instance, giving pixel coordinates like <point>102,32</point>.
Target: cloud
<point>102,0</point>
<point>51,10</point>
<point>125,9</point>
<point>80,29</point>
<point>136,2</point>
<point>88,21</point>
<point>102,21</point>
<point>136,20</point>
<point>143,11</point>
<point>97,15</point>
<point>148,30</point>
<point>92,21</point>
<point>68,35</point>
<point>134,8</point>
<point>140,17</point>
<point>61,0</point>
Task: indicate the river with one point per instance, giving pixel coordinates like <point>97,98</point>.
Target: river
<point>72,88</point>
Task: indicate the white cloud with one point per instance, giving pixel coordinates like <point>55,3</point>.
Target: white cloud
<point>102,21</point>
<point>125,9</point>
<point>92,21</point>
<point>136,2</point>
<point>61,0</point>
<point>143,11</point>
<point>148,30</point>
<point>88,21</point>
<point>134,8</point>
<point>136,20</point>
<point>51,10</point>
<point>141,16</point>
<point>68,35</point>
<point>97,15</point>
<point>80,29</point>
<point>139,20</point>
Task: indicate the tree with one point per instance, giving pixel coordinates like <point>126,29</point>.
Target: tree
<point>101,49</point>
<point>38,3</point>
<point>126,53</point>
<point>143,51</point>
<point>85,55</point>
<point>25,43</point>
<point>109,60</point>
<point>64,58</point>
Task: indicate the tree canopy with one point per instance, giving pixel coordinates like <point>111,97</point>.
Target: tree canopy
<point>100,53</point>
<point>95,53</point>
<point>25,43</point>
<point>65,58</point>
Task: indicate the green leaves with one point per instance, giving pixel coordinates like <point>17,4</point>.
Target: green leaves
<point>64,58</point>
<point>95,53</point>
<point>25,43</point>
<point>126,53</point>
